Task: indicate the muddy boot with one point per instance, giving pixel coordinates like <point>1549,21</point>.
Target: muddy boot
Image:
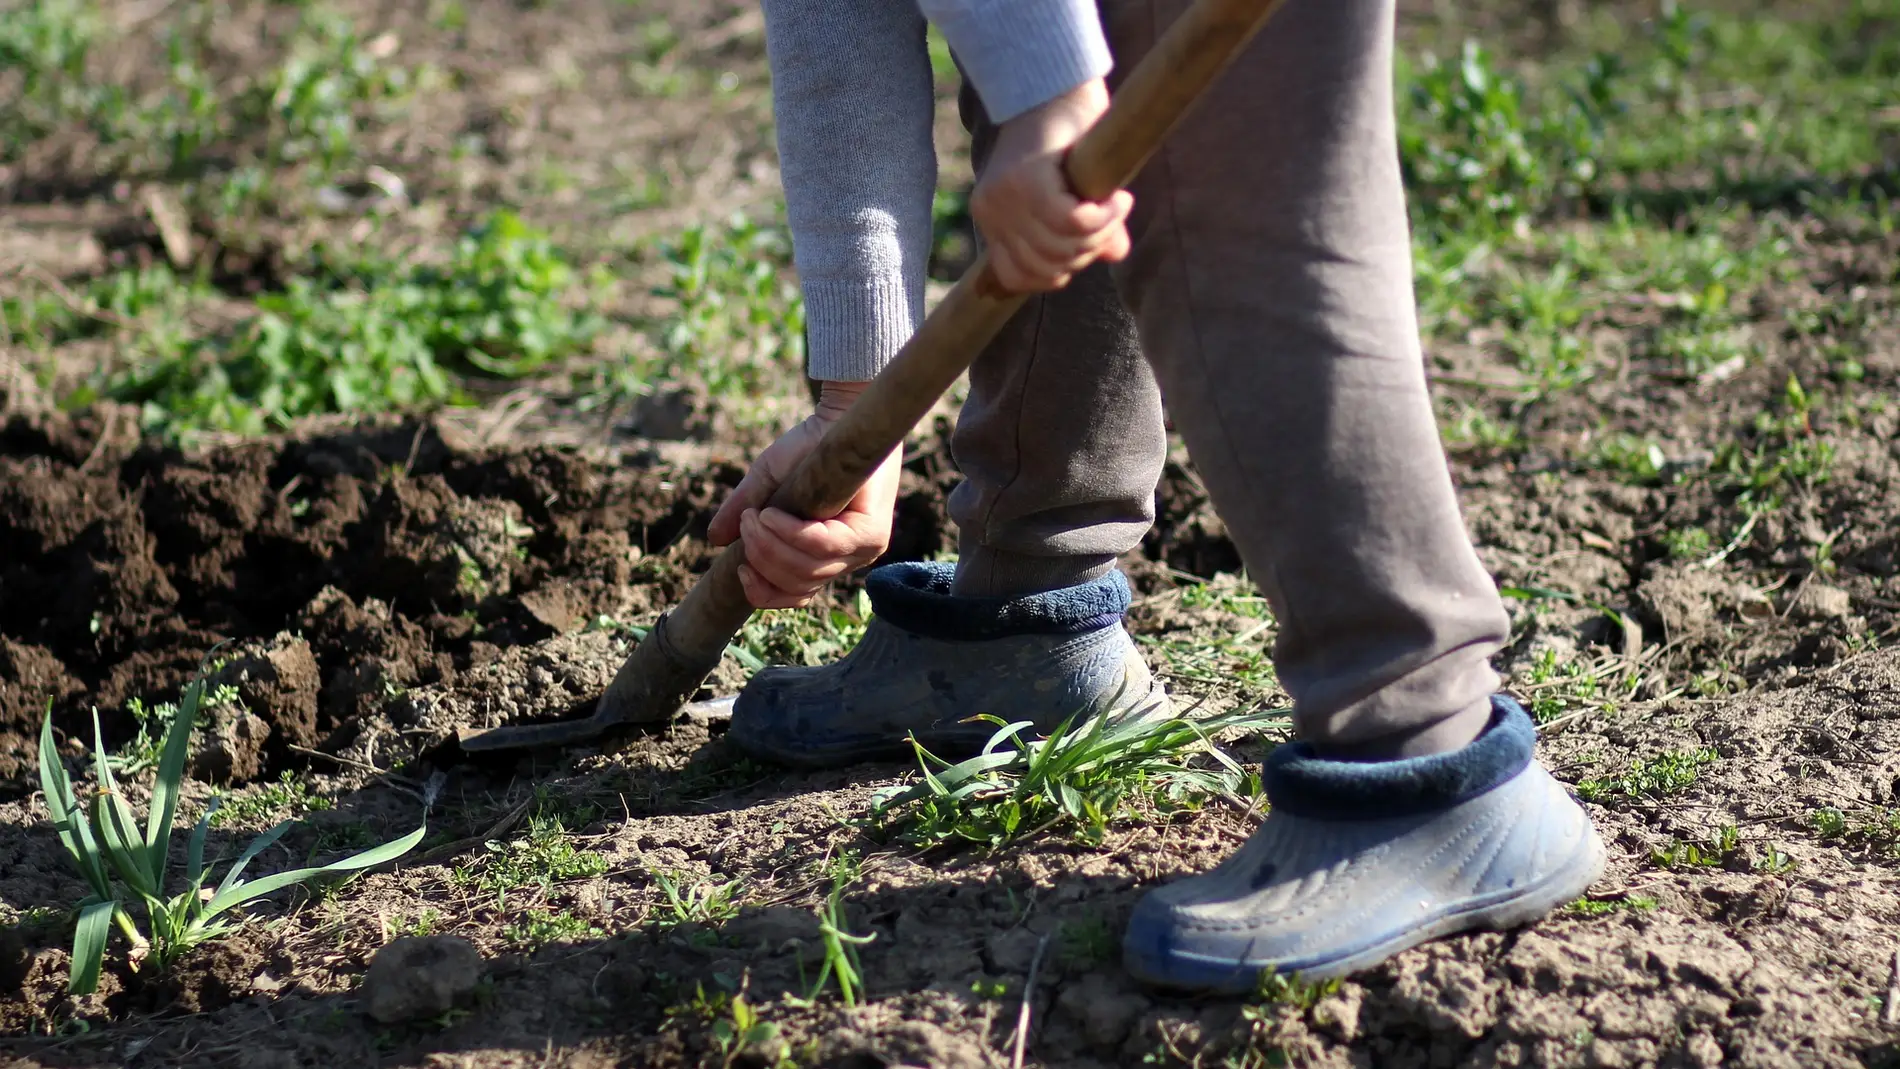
<point>1335,881</point>
<point>930,661</point>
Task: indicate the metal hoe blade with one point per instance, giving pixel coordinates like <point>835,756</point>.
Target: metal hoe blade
<point>596,728</point>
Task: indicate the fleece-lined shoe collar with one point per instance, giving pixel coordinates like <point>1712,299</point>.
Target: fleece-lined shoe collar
<point>1299,781</point>
<point>915,596</point>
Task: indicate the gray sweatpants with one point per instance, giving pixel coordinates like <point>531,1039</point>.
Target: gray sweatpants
<point>1270,292</point>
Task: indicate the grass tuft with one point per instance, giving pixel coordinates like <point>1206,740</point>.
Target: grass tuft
<point>1082,777</point>
<point>1658,777</point>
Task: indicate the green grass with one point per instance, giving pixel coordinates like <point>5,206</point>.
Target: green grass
<point>539,927</point>
<point>1658,777</point>
<point>841,965</point>
<point>1554,685</point>
<point>542,858</point>
<point>306,110</point>
<point>729,319</point>
<point>1639,165</point>
<point>143,750</point>
<point>1079,777</point>
<point>1601,907</point>
<point>810,636</point>
<point>1878,828</point>
<point>736,313</point>
<point>1640,180</point>
<point>1089,941</point>
<point>1688,543</point>
<point>688,898</point>
<point>1683,854</point>
<point>1263,1017</point>
<point>1781,455</point>
<point>1277,989</point>
<point>427,921</point>
<point>1760,101</point>
<point>743,1031</point>
<point>371,335</point>
<point>149,298</point>
<point>290,795</point>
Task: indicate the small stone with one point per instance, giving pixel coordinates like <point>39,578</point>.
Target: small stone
<point>1012,951</point>
<point>1103,1006</point>
<point>1703,1051</point>
<point>773,928</point>
<point>417,978</point>
<point>1818,601</point>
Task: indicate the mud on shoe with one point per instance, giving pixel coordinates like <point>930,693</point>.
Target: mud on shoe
<point>930,661</point>
<point>1357,861</point>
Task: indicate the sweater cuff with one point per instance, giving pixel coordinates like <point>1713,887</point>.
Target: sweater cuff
<point>854,326</point>
<point>1022,53</point>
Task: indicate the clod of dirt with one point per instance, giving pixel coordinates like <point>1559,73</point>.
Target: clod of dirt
<point>909,1042</point>
<point>418,978</point>
<point>15,957</point>
<point>433,548</point>
<point>676,415</point>
<point>38,1002</point>
<point>30,677</point>
<point>1687,599</point>
<point>214,975</point>
<point>1819,601</point>
<point>1103,1007</point>
<point>557,678</point>
<point>230,745</point>
<point>381,652</point>
<point>277,680</point>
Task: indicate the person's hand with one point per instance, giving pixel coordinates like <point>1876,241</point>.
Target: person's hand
<point>788,560</point>
<point>1039,234</point>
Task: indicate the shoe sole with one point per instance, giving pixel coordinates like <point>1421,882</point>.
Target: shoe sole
<point>1205,973</point>
<point>953,744</point>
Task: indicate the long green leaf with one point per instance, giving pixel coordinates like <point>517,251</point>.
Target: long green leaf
<point>969,790</point>
<point>975,766</point>
<point>258,846</point>
<point>89,945</point>
<point>945,782</point>
<point>122,846</point>
<point>69,821</point>
<point>171,773</point>
<point>389,851</point>
<point>195,848</point>
<point>124,843</point>
<point>1005,734</point>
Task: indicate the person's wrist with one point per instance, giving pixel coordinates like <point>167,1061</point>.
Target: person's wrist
<point>1059,122</point>
<point>836,398</point>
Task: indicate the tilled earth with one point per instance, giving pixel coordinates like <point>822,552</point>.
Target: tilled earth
<point>367,589</point>
<point>379,586</point>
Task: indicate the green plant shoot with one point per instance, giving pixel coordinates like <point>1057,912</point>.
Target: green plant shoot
<point>106,840</point>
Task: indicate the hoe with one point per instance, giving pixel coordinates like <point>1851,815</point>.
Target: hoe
<point>676,656</point>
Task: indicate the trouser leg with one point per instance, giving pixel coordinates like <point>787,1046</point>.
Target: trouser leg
<point>1271,283</point>
<point>1061,439</point>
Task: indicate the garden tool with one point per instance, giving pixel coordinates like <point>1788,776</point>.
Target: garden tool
<point>680,651</point>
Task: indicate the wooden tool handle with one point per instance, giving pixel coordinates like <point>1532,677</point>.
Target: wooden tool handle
<point>1187,58</point>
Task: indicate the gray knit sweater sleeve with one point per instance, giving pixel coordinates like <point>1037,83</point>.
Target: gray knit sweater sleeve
<point>851,95</point>
<point>852,98</point>
<point>1021,53</point>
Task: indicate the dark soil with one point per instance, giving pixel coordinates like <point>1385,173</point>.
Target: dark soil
<point>342,566</point>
